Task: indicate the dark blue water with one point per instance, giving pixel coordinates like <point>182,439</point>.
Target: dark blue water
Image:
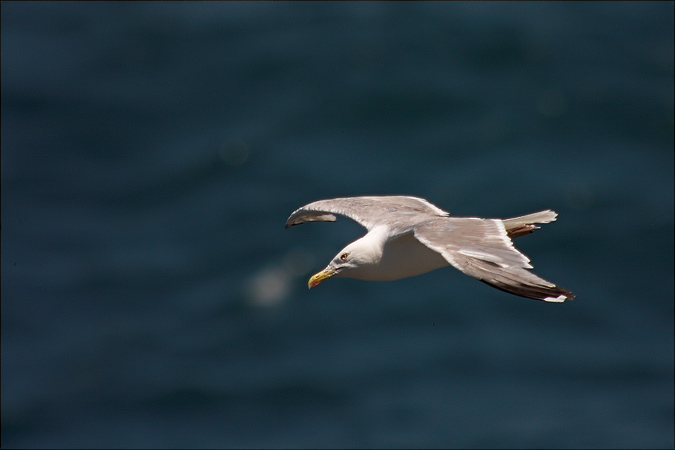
<point>152,152</point>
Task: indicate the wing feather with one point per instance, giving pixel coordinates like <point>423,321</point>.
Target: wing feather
<point>482,249</point>
<point>398,213</point>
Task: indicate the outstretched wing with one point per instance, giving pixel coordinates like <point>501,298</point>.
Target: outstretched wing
<point>396,212</point>
<point>482,249</point>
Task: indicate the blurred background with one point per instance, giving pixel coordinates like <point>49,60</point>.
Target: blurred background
<point>151,153</point>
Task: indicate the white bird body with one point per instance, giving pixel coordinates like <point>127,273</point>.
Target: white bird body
<point>403,256</point>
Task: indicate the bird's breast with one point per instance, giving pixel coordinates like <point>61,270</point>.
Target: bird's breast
<point>402,257</point>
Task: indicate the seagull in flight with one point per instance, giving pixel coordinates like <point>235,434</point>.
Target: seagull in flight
<point>409,236</point>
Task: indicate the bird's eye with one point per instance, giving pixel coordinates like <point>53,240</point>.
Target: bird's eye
<point>344,256</point>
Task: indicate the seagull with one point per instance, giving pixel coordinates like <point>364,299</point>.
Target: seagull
<point>409,236</point>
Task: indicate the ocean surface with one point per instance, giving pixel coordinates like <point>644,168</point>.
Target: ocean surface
<point>152,152</point>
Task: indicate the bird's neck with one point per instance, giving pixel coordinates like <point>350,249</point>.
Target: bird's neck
<point>371,245</point>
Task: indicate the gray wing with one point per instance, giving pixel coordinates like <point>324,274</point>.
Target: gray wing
<point>482,249</point>
<point>399,213</point>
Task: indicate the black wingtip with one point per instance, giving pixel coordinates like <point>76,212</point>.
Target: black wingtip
<point>555,294</point>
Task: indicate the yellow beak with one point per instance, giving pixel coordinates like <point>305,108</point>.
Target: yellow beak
<point>319,277</point>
